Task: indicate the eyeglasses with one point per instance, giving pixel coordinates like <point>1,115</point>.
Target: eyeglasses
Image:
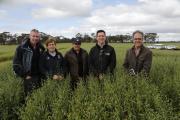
<point>137,38</point>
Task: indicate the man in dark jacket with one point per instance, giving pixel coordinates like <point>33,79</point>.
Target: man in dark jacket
<point>51,62</point>
<point>102,57</point>
<point>77,63</point>
<point>26,61</point>
<point>138,59</point>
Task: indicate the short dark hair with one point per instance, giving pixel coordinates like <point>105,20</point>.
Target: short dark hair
<point>35,30</point>
<point>100,31</point>
<point>138,31</point>
<point>50,40</point>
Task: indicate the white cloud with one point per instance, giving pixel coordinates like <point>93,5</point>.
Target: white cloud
<point>3,13</point>
<point>169,37</point>
<point>48,13</point>
<point>161,16</point>
<point>56,8</point>
<point>148,15</point>
<point>67,8</point>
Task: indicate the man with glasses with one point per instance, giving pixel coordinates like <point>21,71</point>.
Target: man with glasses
<point>138,59</point>
<point>77,63</point>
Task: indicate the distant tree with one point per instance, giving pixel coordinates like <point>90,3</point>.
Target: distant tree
<point>44,36</point>
<point>93,35</point>
<point>5,36</point>
<point>127,37</point>
<point>62,39</point>
<point>22,38</point>
<point>12,39</point>
<point>150,37</point>
<point>119,38</point>
<point>79,35</point>
<point>2,39</point>
<point>112,38</point>
<point>87,38</point>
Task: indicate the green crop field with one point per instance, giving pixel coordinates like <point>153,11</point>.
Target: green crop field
<point>118,98</point>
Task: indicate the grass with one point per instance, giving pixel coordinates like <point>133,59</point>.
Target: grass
<point>124,97</point>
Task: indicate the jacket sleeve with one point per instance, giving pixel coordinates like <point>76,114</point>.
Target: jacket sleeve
<point>62,66</point>
<point>112,61</point>
<point>66,65</point>
<point>87,63</point>
<point>42,68</point>
<point>92,70</point>
<point>17,62</point>
<point>126,63</point>
<point>147,63</point>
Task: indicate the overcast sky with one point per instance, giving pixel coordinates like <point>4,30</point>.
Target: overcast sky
<point>69,17</point>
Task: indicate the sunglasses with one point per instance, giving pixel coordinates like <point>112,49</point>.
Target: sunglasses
<point>77,43</point>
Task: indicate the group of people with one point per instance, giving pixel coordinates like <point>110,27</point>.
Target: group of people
<point>33,63</point>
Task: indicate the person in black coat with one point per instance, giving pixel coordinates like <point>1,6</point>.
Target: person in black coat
<point>102,57</point>
<point>51,63</point>
<point>26,61</point>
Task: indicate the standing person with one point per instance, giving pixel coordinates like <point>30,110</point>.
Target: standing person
<point>26,61</point>
<point>77,63</point>
<point>51,62</point>
<point>138,58</point>
<point>102,57</point>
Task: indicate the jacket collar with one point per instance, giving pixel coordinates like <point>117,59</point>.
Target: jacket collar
<point>26,44</point>
<point>57,52</point>
<point>141,49</point>
<point>100,47</point>
<point>73,51</point>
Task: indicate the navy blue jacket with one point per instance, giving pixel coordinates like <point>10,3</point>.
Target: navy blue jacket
<point>51,65</point>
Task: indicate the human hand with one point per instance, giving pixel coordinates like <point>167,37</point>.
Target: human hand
<point>28,77</point>
<point>100,76</point>
<point>57,77</point>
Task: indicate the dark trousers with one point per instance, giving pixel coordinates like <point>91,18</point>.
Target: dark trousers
<point>30,84</point>
<point>75,81</point>
<point>73,84</point>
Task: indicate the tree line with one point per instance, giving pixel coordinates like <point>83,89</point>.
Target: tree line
<point>6,38</point>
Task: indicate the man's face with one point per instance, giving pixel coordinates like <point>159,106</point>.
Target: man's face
<point>101,37</point>
<point>51,47</point>
<point>34,37</point>
<point>76,46</point>
<point>138,40</point>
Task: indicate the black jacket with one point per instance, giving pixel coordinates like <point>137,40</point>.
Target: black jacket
<point>25,60</point>
<point>51,65</point>
<point>72,64</point>
<point>102,60</point>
